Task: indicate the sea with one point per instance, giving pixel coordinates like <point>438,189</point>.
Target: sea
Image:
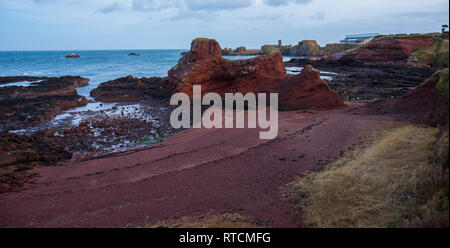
<point>99,66</point>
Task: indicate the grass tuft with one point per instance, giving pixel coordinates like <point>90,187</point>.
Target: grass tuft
<point>385,185</point>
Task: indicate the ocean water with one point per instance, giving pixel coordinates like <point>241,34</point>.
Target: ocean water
<point>98,66</point>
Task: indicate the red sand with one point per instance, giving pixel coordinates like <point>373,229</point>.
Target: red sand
<point>194,172</point>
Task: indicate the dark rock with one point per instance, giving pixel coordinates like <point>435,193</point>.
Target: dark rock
<point>72,55</point>
<point>27,106</point>
<point>128,89</point>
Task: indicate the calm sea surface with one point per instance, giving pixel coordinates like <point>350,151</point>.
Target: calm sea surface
<point>98,66</point>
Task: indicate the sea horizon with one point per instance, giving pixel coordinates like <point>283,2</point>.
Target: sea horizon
<point>68,50</point>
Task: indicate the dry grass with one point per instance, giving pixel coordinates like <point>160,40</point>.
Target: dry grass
<point>384,185</point>
<point>208,221</point>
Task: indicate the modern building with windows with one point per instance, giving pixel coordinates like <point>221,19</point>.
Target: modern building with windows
<point>359,38</point>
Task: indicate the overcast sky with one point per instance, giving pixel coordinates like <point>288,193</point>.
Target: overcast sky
<point>160,24</point>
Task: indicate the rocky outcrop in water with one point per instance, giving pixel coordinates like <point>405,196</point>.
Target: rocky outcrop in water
<point>14,79</point>
<point>240,51</point>
<point>262,74</point>
<point>27,106</point>
<point>129,89</point>
<point>204,65</point>
<point>72,56</point>
<point>310,48</point>
<point>307,48</point>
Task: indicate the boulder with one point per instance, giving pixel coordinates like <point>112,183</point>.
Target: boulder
<point>308,91</point>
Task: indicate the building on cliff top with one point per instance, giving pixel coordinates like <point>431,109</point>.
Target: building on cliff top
<point>358,38</point>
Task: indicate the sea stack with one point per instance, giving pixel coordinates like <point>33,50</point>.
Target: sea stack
<point>204,65</point>
<point>72,55</point>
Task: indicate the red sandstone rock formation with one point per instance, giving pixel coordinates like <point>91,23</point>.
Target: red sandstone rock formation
<point>204,65</point>
<point>425,104</point>
<point>202,48</point>
<point>389,50</point>
<point>262,74</point>
<point>308,91</point>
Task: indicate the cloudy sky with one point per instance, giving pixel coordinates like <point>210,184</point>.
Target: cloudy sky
<point>161,24</point>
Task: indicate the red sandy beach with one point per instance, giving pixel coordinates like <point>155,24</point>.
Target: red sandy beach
<point>197,171</point>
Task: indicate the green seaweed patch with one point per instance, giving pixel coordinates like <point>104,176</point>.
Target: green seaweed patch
<point>149,140</point>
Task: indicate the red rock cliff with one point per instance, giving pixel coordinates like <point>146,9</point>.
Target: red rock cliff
<point>389,50</point>
<point>428,103</point>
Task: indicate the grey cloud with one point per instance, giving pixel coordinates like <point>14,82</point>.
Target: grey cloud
<point>419,14</point>
<point>195,5</point>
<point>217,4</point>
<point>112,8</point>
<point>154,5</point>
<point>285,2</point>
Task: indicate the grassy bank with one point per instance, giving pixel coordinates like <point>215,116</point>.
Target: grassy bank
<point>435,55</point>
<point>399,180</point>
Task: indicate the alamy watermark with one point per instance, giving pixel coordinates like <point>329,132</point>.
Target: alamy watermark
<point>235,104</point>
